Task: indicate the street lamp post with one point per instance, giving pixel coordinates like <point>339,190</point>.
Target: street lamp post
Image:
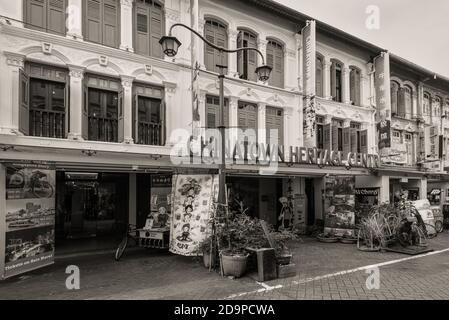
<point>170,46</point>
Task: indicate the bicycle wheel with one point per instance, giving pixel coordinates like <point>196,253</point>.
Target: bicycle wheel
<point>121,248</point>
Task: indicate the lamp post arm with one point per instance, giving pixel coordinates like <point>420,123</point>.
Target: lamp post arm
<point>221,49</point>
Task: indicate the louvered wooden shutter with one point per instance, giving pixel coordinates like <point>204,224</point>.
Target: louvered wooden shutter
<point>357,91</point>
<point>56,16</point>
<point>327,137</point>
<point>121,116</point>
<point>319,77</point>
<point>274,121</point>
<point>221,40</point>
<point>209,52</point>
<point>334,137</point>
<point>135,115</point>
<point>142,33</point>
<point>156,30</point>
<point>36,14</point>
<point>93,20</point>
<point>352,86</point>
<point>334,81</point>
<point>401,102</point>
<point>353,138</point>
<point>346,140</point>
<point>110,23</point>
<point>85,111</point>
<point>394,98</point>
<point>24,106</point>
<point>252,59</point>
<point>364,141</point>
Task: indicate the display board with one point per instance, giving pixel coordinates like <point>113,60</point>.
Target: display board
<point>340,209</point>
<point>192,204</point>
<point>161,193</point>
<point>425,210</point>
<point>28,221</point>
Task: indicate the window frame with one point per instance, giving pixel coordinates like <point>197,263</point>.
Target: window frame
<point>278,46</point>
<point>143,5</point>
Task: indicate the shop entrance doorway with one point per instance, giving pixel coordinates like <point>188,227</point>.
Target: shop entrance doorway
<point>92,210</point>
<point>310,194</point>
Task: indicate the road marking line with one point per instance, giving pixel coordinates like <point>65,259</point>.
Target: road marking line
<point>266,287</point>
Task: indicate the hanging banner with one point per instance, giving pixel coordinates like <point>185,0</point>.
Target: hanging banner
<point>383,99</point>
<point>309,84</point>
<point>339,217</point>
<point>29,219</point>
<point>193,198</point>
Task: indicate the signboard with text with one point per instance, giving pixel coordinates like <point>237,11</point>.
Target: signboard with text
<point>383,99</point>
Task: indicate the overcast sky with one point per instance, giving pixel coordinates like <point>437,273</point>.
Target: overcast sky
<point>413,29</point>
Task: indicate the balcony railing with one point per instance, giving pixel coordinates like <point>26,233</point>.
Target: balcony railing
<point>150,133</point>
<point>103,129</point>
<point>50,124</point>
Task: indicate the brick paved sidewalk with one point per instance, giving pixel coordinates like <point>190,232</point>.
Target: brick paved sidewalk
<point>154,275</point>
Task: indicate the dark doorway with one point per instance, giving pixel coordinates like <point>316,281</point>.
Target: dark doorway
<point>310,194</point>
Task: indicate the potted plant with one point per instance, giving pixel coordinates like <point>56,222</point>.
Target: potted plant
<point>328,237</point>
<point>234,237</point>
<point>280,239</point>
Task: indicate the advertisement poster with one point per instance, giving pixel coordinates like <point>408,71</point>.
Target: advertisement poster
<point>384,132</point>
<point>340,210</point>
<point>193,198</point>
<point>365,199</point>
<point>161,192</point>
<point>29,219</point>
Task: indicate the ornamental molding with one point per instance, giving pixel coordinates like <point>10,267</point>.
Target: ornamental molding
<point>127,81</point>
<point>127,3</point>
<point>14,59</point>
<point>172,15</point>
<point>76,71</point>
<point>170,87</point>
<point>47,48</point>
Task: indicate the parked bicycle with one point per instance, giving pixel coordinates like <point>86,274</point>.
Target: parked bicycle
<point>131,234</point>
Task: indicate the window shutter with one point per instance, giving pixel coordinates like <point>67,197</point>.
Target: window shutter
<point>135,115</point>
<point>352,86</point>
<point>346,140</point>
<point>334,137</point>
<point>121,116</point>
<point>334,81</point>
<point>67,108</point>
<point>36,14</point>
<point>209,52</point>
<point>274,121</point>
<point>353,137</point>
<point>93,20</point>
<point>252,59</point>
<point>358,97</point>
<point>157,30</point>
<point>221,39</point>
<point>110,23</point>
<point>327,137</point>
<point>85,112</point>
<point>319,77</point>
<point>56,16</point>
<point>401,102</point>
<point>394,98</point>
<point>142,36</point>
<point>24,106</point>
<point>364,141</point>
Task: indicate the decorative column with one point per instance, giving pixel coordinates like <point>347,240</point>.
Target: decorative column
<point>75,20</point>
<point>289,68</point>
<point>232,57</point>
<point>327,63</point>
<point>172,115</point>
<point>364,81</point>
<point>370,79</point>
<point>76,74</point>
<point>261,123</point>
<point>127,84</point>
<point>126,25</point>
<point>200,43</point>
<point>10,89</point>
<point>420,101</point>
<point>346,85</point>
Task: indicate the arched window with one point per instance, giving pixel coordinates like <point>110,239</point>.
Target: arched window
<point>148,27</point>
<point>426,104</point>
<point>247,60</point>
<point>275,59</point>
<point>408,102</point>
<point>217,33</point>
<point>319,75</point>
<point>437,107</point>
<point>336,80</point>
<point>354,86</point>
<point>394,90</point>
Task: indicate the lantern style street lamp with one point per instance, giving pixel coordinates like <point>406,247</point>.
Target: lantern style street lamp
<point>170,46</point>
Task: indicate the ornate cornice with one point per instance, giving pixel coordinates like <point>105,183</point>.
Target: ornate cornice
<point>14,59</point>
<point>76,71</point>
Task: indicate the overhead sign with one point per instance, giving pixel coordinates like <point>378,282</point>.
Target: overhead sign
<point>384,132</point>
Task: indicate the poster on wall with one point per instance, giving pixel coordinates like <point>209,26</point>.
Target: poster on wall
<point>365,199</point>
<point>192,203</point>
<point>161,193</point>
<point>339,218</point>
<point>29,220</point>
